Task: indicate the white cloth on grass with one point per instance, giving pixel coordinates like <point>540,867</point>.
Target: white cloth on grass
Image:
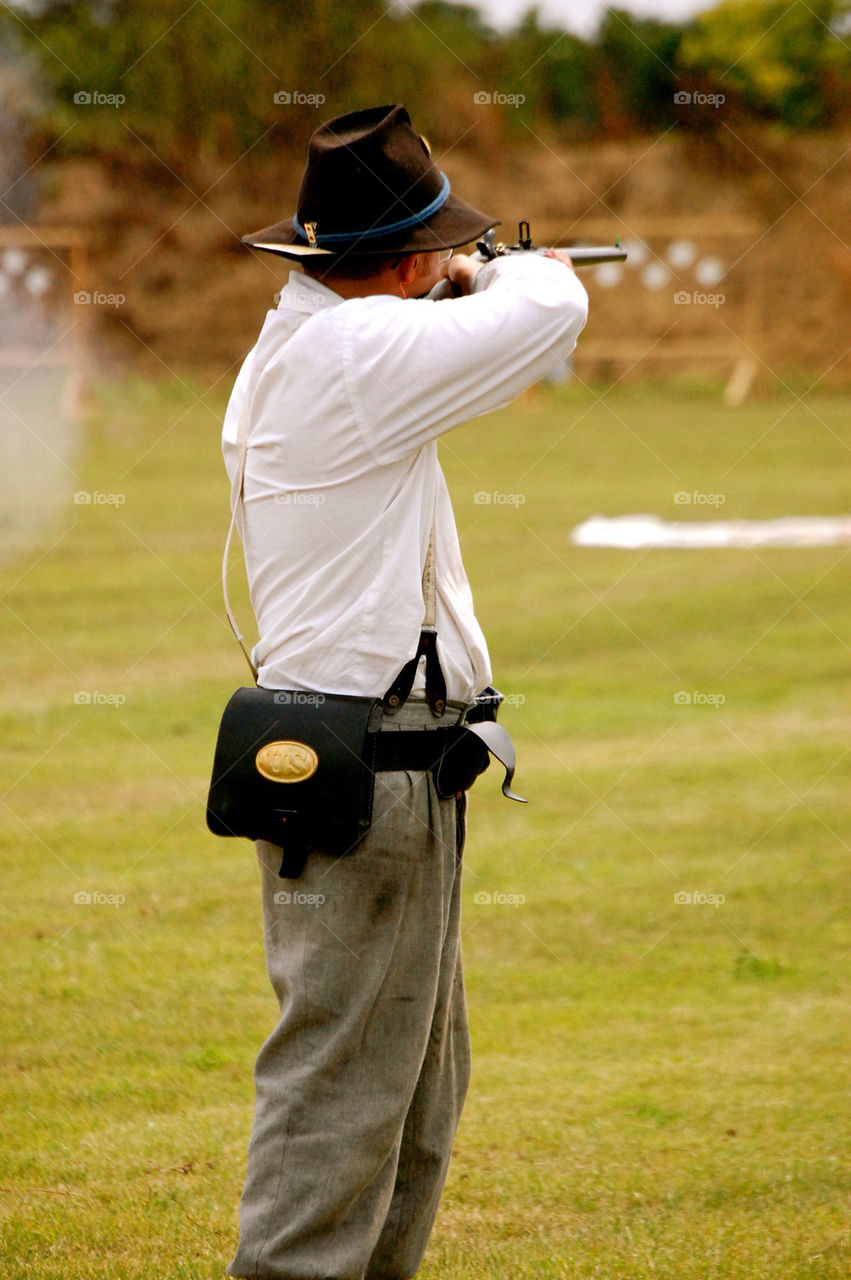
<point>650,531</point>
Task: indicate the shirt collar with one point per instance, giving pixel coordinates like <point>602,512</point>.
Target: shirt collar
<point>303,293</point>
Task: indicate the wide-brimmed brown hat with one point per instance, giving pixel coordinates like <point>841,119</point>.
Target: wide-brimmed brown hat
<point>371,187</point>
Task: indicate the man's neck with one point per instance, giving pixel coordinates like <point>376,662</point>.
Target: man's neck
<point>385,282</point>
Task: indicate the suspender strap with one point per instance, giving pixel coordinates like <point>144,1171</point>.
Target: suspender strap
<point>397,694</point>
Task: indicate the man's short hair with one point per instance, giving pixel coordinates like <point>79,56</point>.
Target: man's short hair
<point>349,266</point>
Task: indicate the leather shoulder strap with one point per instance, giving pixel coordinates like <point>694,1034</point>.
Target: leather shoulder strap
<point>237,502</point>
<point>429,583</point>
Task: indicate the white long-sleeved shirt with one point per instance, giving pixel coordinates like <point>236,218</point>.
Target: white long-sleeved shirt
<point>342,479</point>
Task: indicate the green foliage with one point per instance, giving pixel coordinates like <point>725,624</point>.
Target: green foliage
<point>196,79</point>
<point>554,71</point>
<point>635,61</point>
<point>206,80</point>
<point>784,61</point>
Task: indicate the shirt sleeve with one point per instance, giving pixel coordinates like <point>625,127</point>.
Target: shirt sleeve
<point>415,369</point>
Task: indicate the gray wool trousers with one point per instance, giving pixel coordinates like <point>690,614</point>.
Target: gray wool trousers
<point>360,1086</point>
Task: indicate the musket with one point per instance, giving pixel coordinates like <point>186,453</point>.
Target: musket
<point>489,248</point>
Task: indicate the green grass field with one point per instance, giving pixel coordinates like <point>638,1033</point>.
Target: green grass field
<point>660,1087</point>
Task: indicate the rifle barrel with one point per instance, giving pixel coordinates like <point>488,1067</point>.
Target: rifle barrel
<point>590,255</point>
<point>580,256</point>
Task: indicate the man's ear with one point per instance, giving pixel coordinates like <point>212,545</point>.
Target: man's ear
<point>407,268</point>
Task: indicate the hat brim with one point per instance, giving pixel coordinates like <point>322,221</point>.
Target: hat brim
<point>454,224</point>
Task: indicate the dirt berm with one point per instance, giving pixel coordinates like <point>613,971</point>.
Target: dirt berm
<point>773,211</point>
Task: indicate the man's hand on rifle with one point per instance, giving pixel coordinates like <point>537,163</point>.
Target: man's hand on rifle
<point>561,255</point>
<point>460,270</point>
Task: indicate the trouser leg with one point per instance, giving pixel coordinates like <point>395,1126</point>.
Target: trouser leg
<point>432,1118</point>
<point>363,1078</point>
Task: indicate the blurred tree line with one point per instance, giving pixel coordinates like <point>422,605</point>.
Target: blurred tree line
<point>214,78</point>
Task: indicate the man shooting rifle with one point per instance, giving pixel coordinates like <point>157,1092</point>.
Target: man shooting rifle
<point>367,636</point>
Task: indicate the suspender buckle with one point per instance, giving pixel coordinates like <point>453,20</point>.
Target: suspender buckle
<point>397,694</point>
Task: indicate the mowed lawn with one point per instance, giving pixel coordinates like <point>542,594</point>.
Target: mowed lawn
<point>657,946</point>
